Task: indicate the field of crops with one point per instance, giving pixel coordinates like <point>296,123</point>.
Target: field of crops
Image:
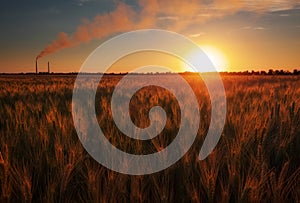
<point>256,160</point>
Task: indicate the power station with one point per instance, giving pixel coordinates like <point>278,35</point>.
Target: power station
<point>37,68</point>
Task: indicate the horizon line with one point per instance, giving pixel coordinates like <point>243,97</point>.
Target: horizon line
<point>258,72</point>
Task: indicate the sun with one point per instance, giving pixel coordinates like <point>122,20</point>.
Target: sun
<point>216,57</point>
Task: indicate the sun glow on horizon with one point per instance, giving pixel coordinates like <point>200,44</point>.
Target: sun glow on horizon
<point>216,57</point>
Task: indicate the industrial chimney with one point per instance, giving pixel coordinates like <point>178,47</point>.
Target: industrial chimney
<point>48,67</point>
<point>36,67</point>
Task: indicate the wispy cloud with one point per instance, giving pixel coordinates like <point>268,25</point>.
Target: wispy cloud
<point>253,28</point>
<point>271,5</point>
<point>167,18</point>
<point>258,28</point>
<point>284,15</point>
<point>195,35</point>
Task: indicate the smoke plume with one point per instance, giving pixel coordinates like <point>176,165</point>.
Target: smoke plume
<point>174,15</point>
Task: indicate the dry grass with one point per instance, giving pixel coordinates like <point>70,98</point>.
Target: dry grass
<point>257,159</point>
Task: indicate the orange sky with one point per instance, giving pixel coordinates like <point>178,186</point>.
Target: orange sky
<point>249,35</point>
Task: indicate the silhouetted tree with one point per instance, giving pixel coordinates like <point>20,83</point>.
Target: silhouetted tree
<point>271,72</point>
<point>263,72</point>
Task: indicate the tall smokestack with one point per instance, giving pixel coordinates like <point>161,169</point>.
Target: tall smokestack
<point>36,67</point>
<point>48,67</point>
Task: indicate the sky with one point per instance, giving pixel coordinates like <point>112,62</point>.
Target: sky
<point>240,35</point>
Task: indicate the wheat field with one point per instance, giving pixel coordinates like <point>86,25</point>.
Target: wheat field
<point>256,160</point>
